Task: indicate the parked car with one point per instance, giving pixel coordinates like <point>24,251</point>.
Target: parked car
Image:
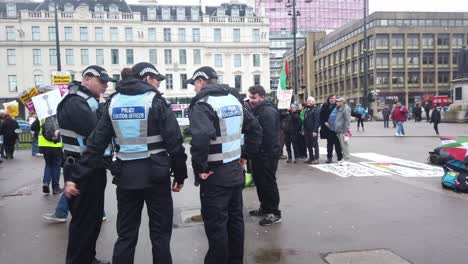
<point>24,125</point>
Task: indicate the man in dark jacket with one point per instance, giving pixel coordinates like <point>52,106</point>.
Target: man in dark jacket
<point>311,127</point>
<point>217,120</point>
<point>386,115</point>
<point>264,166</point>
<point>293,128</point>
<point>148,150</point>
<point>435,118</point>
<point>327,118</point>
<point>427,109</point>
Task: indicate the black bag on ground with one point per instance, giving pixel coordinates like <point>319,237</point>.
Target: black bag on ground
<point>49,127</point>
<point>439,156</point>
<point>462,183</point>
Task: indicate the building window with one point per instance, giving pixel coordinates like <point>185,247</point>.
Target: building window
<point>181,34</point>
<point>114,56</point>
<point>238,82</point>
<point>235,12</point>
<point>220,11</point>
<point>12,84</point>
<point>217,35</point>
<point>113,8</point>
<point>195,13</point>
<point>51,33</point>
<point>167,35</point>
<point>11,9</point>
<point>455,57</point>
<point>458,93</point>
<point>457,40</point>
<point>69,58</point>
<point>68,33</point>
<point>151,11</point>
<point>397,78</point>
<point>10,33</point>
<point>237,60</point>
<point>397,60</point>
<point>381,42</point>
<point>84,57</point>
<point>53,56</point>
<point>129,56</point>
<point>397,41</point>
<point>167,56</point>
<point>256,35</point>
<point>128,34</point>
<point>413,77</point>
<point>183,80</point>
<point>11,56</point>
<point>236,35</point>
<point>443,77</point>
<point>166,13</point>
<point>36,33</point>
<point>100,56</point>
<point>99,8</point>
<point>98,34</point>
<point>38,80</point>
<point>428,41</point>
<point>220,79</point>
<point>196,34</point>
<point>428,58</point>
<point>443,58</point>
<point>153,56</point>
<point>36,56</point>
<point>443,40</point>
<point>256,60</point>
<point>180,13</point>
<point>151,34</point>
<point>428,77</point>
<point>413,41</point>
<point>413,59</point>
<point>249,12</point>
<point>182,56</point>
<point>218,60</point>
<point>381,78</point>
<point>114,34</point>
<point>169,82</point>
<point>68,8</point>
<point>256,79</point>
<point>83,33</point>
<point>196,57</point>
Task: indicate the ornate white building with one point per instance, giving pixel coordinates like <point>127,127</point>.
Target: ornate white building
<point>114,34</point>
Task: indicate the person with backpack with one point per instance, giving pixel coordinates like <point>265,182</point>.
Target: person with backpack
<point>399,115</point>
<point>435,118</point>
<point>51,147</point>
<point>361,112</point>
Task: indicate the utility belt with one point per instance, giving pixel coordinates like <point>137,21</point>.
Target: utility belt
<point>160,167</point>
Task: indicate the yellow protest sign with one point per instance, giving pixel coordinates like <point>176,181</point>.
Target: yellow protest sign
<point>26,98</point>
<point>12,108</point>
<point>61,79</point>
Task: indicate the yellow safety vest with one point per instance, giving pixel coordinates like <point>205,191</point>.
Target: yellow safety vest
<point>43,142</point>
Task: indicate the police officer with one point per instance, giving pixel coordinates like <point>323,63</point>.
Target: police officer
<point>78,114</point>
<point>217,121</point>
<point>148,145</point>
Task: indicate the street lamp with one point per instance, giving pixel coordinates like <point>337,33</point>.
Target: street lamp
<point>294,15</point>
<point>364,58</point>
<point>57,41</point>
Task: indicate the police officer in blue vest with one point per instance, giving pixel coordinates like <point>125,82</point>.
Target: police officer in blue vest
<point>148,146</point>
<point>217,122</point>
<point>78,114</point>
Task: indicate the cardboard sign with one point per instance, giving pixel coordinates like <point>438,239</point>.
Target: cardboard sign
<point>61,78</point>
<point>12,108</point>
<point>350,169</point>
<point>284,98</point>
<point>46,103</point>
<point>26,98</point>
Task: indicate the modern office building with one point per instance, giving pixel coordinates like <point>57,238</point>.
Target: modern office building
<point>114,34</point>
<point>411,56</point>
<point>314,16</point>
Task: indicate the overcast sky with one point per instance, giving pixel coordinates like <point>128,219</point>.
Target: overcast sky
<point>375,5</point>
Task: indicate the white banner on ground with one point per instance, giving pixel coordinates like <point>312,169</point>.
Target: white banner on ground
<point>46,103</point>
<point>284,98</point>
<point>350,169</point>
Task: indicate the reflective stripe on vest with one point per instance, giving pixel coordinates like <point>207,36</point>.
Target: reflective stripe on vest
<point>230,116</point>
<point>43,142</point>
<point>129,116</point>
<point>81,147</point>
<point>92,102</point>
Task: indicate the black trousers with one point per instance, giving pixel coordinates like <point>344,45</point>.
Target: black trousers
<point>264,174</point>
<point>360,121</point>
<point>312,145</point>
<point>436,127</point>
<point>301,146</point>
<point>386,121</point>
<point>9,149</point>
<point>221,208</point>
<point>332,140</point>
<point>292,140</point>
<point>86,210</point>
<point>159,205</point>
<point>428,118</point>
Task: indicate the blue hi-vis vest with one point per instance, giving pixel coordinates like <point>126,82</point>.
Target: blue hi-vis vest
<point>74,143</point>
<point>129,116</point>
<point>227,145</point>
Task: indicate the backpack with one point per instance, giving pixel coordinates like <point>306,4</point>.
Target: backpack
<point>48,128</point>
<point>449,180</point>
<point>462,183</point>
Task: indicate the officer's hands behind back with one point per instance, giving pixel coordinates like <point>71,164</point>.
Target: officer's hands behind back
<point>176,187</point>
